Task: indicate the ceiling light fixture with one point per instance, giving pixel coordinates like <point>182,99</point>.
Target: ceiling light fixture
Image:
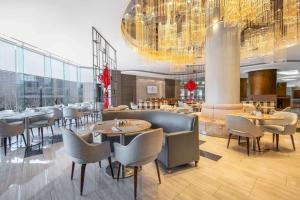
<point>175,30</point>
<point>288,72</point>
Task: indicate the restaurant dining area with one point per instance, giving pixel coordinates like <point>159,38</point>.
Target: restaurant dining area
<point>150,99</point>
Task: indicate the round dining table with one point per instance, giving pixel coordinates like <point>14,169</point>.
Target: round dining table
<point>256,119</point>
<point>128,127</point>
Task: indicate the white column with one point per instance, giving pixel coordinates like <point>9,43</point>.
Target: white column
<point>222,65</point>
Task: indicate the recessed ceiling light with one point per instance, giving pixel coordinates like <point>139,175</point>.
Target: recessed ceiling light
<point>289,72</point>
<point>288,79</point>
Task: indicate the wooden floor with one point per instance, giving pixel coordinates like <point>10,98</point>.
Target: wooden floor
<point>264,175</point>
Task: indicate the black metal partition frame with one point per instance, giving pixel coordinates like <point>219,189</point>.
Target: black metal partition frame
<point>103,54</point>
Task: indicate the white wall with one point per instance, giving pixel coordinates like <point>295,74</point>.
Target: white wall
<point>141,87</point>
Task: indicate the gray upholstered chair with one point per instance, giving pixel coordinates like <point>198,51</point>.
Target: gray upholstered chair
<point>8,130</point>
<point>133,106</point>
<point>287,126</point>
<point>142,150</point>
<point>41,122</point>
<point>57,115</point>
<point>287,109</point>
<point>82,151</point>
<point>71,113</point>
<point>247,107</point>
<point>243,127</point>
<point>86,110</point>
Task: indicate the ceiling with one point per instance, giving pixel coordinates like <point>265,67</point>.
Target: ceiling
<point>64,28</point>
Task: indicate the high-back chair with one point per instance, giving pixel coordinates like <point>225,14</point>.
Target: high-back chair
<point>82,151</point>
<point>133,106</point>
<point>71,113</point>
<point>57,114</point>
<point>247,107</point>
<point>8,130</point>
<point>40,122</point>
<point>142,150</point>
<point>286,126</point>
<point>243,127</point>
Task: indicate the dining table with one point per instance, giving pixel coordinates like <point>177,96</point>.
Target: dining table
<point>121,128</point>
<point>256,119</point>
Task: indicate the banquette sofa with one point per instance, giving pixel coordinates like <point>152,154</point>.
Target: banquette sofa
<point>212,118</point>
<point>181,135</point>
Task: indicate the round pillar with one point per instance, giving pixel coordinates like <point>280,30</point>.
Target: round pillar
<point>222,79</point>
<point>222,65</point>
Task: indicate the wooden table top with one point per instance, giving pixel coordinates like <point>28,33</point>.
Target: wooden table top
<point>131,126</point>
<point>254,117</point>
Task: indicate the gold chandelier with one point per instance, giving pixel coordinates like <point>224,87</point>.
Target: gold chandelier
<point>174,30</point>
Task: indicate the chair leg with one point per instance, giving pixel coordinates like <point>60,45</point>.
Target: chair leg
<point>273,137</point>
<point>82,177</point>
<point>52,130</point>
<point>157,169</point>
<point>258,145</point>
<point>100,164</point>
<point>248,147</point>
<point>24,139</point>
<point>119,169</point>
<point>5,145</point>
<point>293,142</point>
<point>72,172</point>
<point>196,163</point>
<point>31,132</point>
<point>229,140</point>
<point>135,181</point>
<point>277,142</point>
<point>111,169</point>
<point>9,141</point>
<point>239,141</point>
<point>42,133</point>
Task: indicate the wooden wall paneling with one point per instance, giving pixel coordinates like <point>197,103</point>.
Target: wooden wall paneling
<point>243,88</point>
<point>128,88</point>
<point>170,88</point>
<point>263,82</point>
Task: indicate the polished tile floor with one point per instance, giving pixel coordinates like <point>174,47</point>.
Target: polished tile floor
<point>263,175</point>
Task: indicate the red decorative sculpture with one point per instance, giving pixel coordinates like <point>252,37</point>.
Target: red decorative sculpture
<point>190,86</point>
<point>105,79</point>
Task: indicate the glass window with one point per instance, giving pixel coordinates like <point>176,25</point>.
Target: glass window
<point>7,57</point>
<point>73,73</point>
<point>33,63</point>
<point>48,71</point>
<point>86,75</point>
<point>57,69</point>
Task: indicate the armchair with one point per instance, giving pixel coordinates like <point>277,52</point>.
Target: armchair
<point>9,130</point>
<point>82,151</point>
<point>142,150</point>
<point>243,127</point>
<point>287,126</point>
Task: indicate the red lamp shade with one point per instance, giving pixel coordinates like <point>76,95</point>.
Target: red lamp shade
<point>105,77</point>
<point>190,85</point>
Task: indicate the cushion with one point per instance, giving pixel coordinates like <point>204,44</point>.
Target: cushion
<point>273,128</point>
